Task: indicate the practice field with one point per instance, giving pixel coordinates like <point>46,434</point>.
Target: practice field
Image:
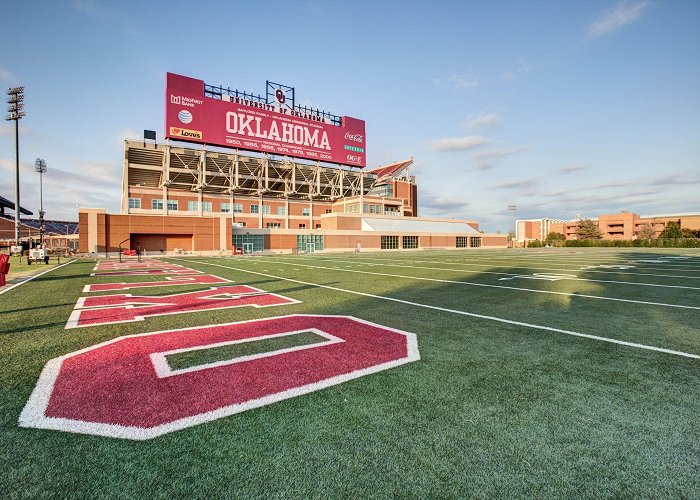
<point>549,372</point>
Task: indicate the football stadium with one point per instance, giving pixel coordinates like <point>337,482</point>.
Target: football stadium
<point>267,317</point>
<point>289,179</point>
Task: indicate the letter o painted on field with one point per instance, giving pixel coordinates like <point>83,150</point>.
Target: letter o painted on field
<point>125,388</point>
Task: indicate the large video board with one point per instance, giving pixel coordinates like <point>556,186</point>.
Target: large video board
<point>256,125</point>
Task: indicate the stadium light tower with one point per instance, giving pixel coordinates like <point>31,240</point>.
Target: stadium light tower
<point>40,168</point>
<point>513,208</point>
<point>15,108</point>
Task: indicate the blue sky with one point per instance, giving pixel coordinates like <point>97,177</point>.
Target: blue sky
<point>561,107</point>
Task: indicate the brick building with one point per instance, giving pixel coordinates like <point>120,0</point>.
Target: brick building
<point>622,226</point>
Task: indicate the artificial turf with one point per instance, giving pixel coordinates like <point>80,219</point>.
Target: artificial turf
<point>20,267</point>
<point>493,408</point>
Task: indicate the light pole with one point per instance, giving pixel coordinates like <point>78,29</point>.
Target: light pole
<point>513,208</point>
<point>40,168</point>
<point>15,101</point>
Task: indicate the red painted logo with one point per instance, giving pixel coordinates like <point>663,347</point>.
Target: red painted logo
<point>126,388</point>
<point>123,308</point>
<point>172,269</point>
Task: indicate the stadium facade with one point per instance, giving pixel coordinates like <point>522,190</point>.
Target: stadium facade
<point>262,174</point>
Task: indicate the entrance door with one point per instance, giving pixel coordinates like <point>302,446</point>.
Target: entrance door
<point>248,248</point>
<point>310,247</point>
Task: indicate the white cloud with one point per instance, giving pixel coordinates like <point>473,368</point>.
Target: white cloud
<point>484,120</point>
<point>458,143</point>
<point>463,81</point>
<point>91,184</point>
<point>623,14</point>
<point>523,183</point>
<point>128,133</point>
<point>87,6</point>
<point>442,204</point>
<point>498,153</point>
<point>523,68</point>
<point>6,76</point>
<point>567,169</point>
<point>9,129</point>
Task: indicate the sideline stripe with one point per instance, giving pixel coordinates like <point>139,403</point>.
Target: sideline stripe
<point>463,313</point>
<point>510,274</point>
<point>566,294</point>
<point>35,276</point>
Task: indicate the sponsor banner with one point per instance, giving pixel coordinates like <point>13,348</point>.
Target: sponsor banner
<point>253,126</point>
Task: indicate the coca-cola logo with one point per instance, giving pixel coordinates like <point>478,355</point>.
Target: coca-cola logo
<point>354,137</point>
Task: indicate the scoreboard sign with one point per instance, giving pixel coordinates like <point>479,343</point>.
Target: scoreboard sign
<point>258,126</point>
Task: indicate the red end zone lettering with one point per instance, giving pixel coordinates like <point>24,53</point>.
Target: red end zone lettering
<point>104,265</point>
<point>174,269</point>
<point>107,309</point>
<point>124,388</point>
<point>170,281</point>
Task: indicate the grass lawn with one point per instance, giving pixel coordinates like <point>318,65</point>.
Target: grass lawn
<point>556,372</point>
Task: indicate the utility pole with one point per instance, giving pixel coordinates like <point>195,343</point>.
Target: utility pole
<point>40,168</point>
<point>15,101</point>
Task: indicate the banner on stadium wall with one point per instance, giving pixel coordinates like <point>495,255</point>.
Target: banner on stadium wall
<point>191,116</point>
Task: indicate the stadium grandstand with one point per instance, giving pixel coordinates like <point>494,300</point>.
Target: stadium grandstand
<point>59,236</point>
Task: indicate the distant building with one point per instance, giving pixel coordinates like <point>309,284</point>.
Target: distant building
<point>622,226</point>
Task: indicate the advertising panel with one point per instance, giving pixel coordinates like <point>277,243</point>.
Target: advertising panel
<point>258,126</point>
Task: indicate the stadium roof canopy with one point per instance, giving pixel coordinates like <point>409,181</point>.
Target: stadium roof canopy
<point>391,170</point>
<point>416,226</point>
<point>5,203</point>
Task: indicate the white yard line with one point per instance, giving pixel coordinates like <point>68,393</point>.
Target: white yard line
<point>513,274</point>
<point>463,313</point>
<point>360,259</point>
<point>630,260</point>
<point>484,285</point>
<point>5,290</point>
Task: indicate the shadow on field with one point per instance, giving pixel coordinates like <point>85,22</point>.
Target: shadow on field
<point>37,308</point>
<point>32,328</point>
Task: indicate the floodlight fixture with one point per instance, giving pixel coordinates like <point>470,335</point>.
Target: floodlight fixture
<point>40,168</point>
<point>15,109</point>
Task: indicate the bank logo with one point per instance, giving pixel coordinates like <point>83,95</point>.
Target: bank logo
<point>184,133</point>
<point>184,116</point>
<point>175,99</point>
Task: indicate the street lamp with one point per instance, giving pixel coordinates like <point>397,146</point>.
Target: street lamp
<point>15,108</point>
<point>40,168</point>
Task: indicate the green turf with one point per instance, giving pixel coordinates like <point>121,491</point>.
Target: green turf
<point>492,409</point>
<point>19,267</point>
<point>229,352</point>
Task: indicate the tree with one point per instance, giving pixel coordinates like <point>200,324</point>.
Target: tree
<point>587,229</point>
<point>646,232</point>
<point>672,230</point>
<point>554,237</point>
<point>689,233</point>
